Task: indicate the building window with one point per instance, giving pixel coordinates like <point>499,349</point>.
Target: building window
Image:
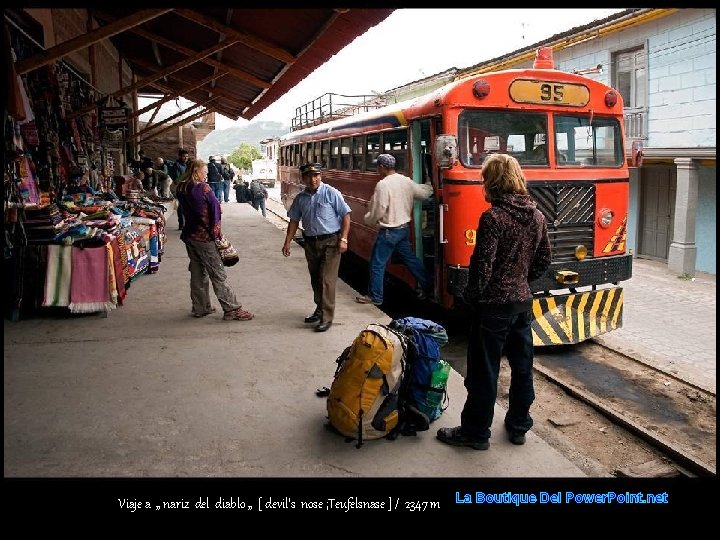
<point>630,79</point>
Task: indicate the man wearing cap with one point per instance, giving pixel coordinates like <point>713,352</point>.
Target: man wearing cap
<point>325,219</point>
<point>390,210</point>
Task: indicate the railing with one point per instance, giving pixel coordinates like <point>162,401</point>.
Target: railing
<point>330,107</point>
<point>636,123</point>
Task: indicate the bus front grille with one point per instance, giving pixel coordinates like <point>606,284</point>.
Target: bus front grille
<point>569,209</point>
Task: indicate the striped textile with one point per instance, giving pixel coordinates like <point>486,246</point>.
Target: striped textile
<point>58,276</point>
<point>90,284</point>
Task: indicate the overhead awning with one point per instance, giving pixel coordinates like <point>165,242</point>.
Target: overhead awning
<point>236,62</point>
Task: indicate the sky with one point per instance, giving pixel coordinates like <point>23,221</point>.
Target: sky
<point>412,44</point>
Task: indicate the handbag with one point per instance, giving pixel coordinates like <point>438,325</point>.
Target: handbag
<point>228,253</point>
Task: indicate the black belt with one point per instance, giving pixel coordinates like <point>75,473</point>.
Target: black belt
<point>320,237</point>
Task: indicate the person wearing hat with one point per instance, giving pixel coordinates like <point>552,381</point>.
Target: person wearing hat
<point>325,218</point>
<point>390,210</point>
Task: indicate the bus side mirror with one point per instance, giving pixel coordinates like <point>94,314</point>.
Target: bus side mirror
<point>445,151</point>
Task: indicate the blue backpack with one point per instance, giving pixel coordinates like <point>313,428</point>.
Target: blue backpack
<point>427,378</point>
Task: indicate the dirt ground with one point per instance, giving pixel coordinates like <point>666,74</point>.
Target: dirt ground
<point>684,418</point>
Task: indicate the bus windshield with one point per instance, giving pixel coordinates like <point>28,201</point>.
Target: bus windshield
<point>587,141</point>
<point>580,140</point>
<point>518,133</point>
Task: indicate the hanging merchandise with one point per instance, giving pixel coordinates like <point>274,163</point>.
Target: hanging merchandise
<point>113,113</point>
<point>112,140</point>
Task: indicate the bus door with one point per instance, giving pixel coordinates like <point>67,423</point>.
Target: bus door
<point>425,220</point>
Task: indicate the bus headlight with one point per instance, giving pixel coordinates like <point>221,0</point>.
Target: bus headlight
<point>580,252</point>
<point>605,218</point>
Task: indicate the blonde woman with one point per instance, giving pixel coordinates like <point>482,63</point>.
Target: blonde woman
<point>512,248</point>
<point>201,228</point>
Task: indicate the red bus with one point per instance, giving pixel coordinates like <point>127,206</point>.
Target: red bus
<point>567,132</point>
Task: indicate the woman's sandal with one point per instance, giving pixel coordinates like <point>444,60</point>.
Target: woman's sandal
<point>238,314</point>
<point>198,315</point>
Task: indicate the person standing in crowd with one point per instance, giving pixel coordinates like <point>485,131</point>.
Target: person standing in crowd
<point>259,194</point>
<point>202,227</point>
<point>511,249</point>
<point>390,210</point>
<point>325,219</point>
<point>161,178</point>
<point>215,178</point>
<point>177,171</point>
<point>227,174</point>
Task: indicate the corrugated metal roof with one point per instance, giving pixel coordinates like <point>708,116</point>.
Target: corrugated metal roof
<point>272,50</point>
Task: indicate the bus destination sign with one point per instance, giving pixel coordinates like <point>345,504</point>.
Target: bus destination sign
<point>549,93</point>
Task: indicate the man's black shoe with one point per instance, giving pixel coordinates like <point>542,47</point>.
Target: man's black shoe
<point>454,437</point>
<point>315,317</point>
<point>517,438</point>
<point>323,326</point>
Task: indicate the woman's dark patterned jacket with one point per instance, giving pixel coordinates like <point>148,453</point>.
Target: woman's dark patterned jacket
<point>511,248</point>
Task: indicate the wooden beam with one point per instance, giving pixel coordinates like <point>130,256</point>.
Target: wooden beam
<point>181,122</point>
<point>48,56</point>
<point>159,75</point>
<point>162,88</point>
<point>219,91</point>
<point>168,119</point>
<point>235,72</point>
<point>251,41</point>
<point>180,93</point>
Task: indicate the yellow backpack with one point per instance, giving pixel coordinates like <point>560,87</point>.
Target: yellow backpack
<point>366,399</point>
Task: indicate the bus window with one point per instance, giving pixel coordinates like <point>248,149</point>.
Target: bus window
<point>518,133</point>
<point>314,156</point>
<point>335,154</point>
<point>373,151</point>
<point>358,146</point>
<point>578,142</point>
<point>395,144</point>
<point>345,153</point>
<point>325,154</point>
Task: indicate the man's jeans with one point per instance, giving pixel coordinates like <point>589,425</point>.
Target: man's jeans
<point>226,190</point>
<point>488,336</point>
<point>388,241</point>
<point>217,190</point>
<point>259,204</point>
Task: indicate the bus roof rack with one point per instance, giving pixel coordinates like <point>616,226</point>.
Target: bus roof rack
<point>332,106</point>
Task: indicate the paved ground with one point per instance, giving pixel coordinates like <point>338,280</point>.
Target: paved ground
<point>150,392</point>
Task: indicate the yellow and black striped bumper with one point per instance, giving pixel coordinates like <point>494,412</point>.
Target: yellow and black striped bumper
<point>572,318</point>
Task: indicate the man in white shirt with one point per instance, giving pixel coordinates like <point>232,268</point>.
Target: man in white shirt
<point>391,207</point>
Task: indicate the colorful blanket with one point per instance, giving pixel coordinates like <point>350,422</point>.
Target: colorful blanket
<point>90,284</point>
<point>58,275</point>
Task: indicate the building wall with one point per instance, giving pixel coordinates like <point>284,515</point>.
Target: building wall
<point>681,70</point>
<point>706,224</point>
<point>64,24</point>
<point>681,80</point>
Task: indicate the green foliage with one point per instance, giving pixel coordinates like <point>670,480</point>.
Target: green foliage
<point>687,277</point>
<point>243,156</point>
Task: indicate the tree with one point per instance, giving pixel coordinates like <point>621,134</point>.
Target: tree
<point>242,157</point>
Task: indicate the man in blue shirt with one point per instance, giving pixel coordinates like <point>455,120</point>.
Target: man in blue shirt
<point>325,220</point>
